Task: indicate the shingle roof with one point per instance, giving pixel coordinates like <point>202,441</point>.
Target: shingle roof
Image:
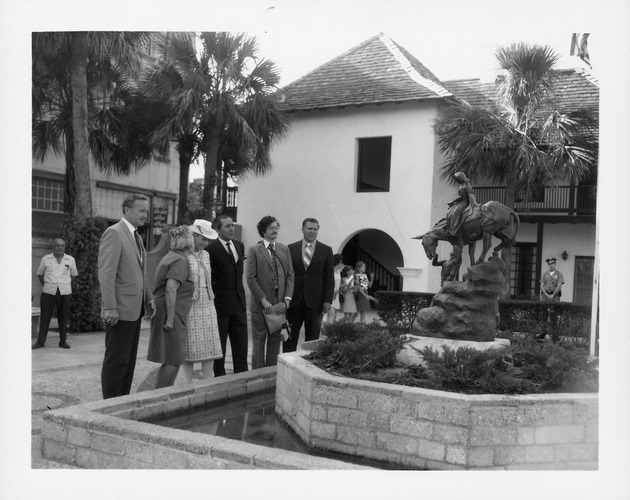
<point>575,89</point>
<point>377,71</point>
<point>380,71</point>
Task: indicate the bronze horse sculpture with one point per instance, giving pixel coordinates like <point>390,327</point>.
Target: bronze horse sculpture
<point>487,220</point>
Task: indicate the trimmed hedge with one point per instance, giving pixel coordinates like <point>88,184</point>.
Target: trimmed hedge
<point>561,321</point>
<point>558,320</point>
<point>82,241</point>
<point>401,308</point>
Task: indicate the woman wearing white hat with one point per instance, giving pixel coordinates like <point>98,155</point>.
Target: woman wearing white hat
<point>203,343</point>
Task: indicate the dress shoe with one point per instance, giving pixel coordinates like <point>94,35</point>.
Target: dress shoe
<point>64,345</point>
<point>37,345</point>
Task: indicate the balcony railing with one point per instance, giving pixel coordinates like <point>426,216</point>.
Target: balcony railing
<point>231,202</point>
<point>569,200</point>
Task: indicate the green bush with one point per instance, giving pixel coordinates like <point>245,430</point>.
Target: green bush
<point>401,308</point>
<point>82,241</point>
<point>352,348</point>
<point>563,321</point>
<point>560,321</point>
<point>526,367</point>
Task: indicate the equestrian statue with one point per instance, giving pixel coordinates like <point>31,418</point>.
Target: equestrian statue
<point>467,222</point>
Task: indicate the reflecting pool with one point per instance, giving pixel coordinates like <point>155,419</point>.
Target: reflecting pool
<point>251,419</point>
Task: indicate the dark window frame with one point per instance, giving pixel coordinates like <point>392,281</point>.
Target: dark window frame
<point>368,158</point>
<point>523,271</point>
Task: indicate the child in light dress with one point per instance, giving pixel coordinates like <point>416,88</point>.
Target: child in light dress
<point>347,289</point>
<point>363,283</point>
<point>336,303</point>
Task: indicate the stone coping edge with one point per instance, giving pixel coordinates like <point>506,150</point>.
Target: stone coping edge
<point>111,417</point>
<point>297,359</point>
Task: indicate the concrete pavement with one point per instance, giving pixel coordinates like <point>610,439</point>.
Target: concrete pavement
<point>67,377</point>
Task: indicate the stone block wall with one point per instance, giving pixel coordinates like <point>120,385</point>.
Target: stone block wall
<point>108,434</point>
<point>428,429</point>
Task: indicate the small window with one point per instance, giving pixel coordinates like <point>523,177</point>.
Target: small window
<point>47,195</point>
<point>374,164</point>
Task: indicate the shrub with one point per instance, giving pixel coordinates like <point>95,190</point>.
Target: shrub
<point>526,367</point>
<point>82,241</point>
<point>401,308</point>
<point>352,348</point>
<point>562,321</point>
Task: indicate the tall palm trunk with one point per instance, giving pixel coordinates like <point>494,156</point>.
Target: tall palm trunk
<point>70,189</point>
<point>210,173</point>
<point>185,159</point>
<point>83,204</point>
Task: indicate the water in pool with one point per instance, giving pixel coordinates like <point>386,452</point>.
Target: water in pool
<point>251,419</point>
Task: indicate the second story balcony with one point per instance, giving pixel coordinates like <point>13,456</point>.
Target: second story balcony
<point>551,200</point>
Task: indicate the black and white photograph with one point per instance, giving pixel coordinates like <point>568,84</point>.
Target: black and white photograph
<point>316,249</point>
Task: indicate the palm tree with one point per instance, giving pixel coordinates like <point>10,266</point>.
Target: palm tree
<point>240,106</point>
<point>177,83</point>
<point>218,95</point>
<point>521,141</point>
<point>84,103</point>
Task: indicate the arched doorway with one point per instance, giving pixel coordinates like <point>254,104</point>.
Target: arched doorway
<point>381,255</point>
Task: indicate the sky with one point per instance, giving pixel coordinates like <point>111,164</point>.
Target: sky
<point>454,39</point>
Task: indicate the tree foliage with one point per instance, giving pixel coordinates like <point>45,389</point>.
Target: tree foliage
<point>97,89</point>
<point>82,237</point>
<point>217,92</point>
<point>521,139</point>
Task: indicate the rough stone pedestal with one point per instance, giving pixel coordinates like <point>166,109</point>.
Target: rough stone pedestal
<point>465,310</point>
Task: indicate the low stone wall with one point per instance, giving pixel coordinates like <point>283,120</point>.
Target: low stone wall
<point>107,434</point>
<point>427,429</point>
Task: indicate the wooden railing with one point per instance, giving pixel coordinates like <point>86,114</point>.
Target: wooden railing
<point>231,202</point>
<point>385,279</point>
<point>570,200</point>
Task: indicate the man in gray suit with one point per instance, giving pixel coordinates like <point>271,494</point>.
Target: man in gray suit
<point>270,281</point>
<point>124,294</point>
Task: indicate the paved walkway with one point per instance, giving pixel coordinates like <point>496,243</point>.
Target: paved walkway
<point>67,377</point>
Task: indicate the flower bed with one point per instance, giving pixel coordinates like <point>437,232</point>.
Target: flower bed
<point>429,429</point>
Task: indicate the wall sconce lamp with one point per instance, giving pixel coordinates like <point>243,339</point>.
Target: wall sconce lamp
<point>565,255</point>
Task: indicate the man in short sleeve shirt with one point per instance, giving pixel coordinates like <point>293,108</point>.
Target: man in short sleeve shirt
<point>56,272</point>
<point>551,283</point>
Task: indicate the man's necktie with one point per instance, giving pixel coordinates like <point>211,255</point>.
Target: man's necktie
<point>229,249</point>
<point>138,243</point>
<point>272,249</point>
<point>308,254</point>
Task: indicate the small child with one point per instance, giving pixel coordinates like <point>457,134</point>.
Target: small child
<point>347,289</point>
<point>363,284</point>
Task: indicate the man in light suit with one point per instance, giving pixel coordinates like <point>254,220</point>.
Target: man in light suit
<point>226,260</point>
<point>124,295</point>
<point>314,284</point>
<point>270,281</point>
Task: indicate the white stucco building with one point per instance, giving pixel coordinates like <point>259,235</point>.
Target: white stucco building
<point>361,158</point>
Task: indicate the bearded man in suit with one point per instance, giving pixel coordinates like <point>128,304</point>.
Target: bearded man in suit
<point>226,260</point>
<point>125,295</point>
<point>270,280</point>
<point>314,284</point>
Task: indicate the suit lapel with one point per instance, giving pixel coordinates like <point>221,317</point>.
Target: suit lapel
<point>134,245</point>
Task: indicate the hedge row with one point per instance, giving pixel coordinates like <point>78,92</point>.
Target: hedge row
<point>82,242</point>
<point>558,320</point>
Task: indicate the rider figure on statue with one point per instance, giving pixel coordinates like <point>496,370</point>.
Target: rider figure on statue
<point>461,208</point>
